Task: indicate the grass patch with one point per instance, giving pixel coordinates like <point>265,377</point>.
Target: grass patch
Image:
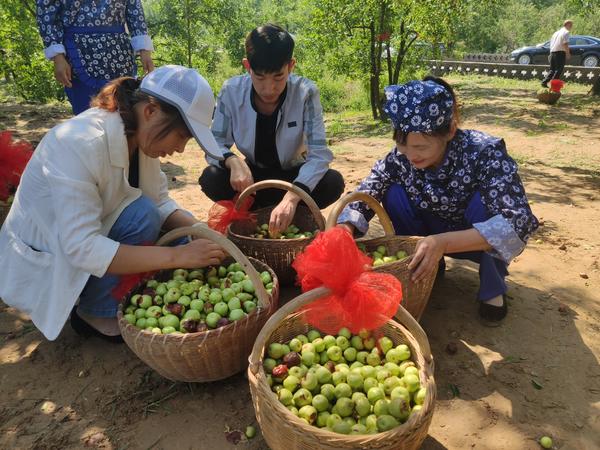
<point>349,124</point>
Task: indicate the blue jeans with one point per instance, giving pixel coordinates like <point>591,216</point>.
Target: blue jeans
<point>138,224</point>
<point>411,221</point>
<point>80,95</point>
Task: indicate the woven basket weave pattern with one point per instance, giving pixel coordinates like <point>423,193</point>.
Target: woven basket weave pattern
<point>414,296</point>
<point>282,430</point>
<point>196,357</point>
<point>277,253</point>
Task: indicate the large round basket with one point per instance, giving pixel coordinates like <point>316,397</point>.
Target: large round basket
<point>210,355</point>
<point>415,296</point>
<point>548,97</point>
<point>282,430</point>
<point>276,253</point>
<point>3,213</point>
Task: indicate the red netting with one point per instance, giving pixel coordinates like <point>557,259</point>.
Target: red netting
<point>129,281</point>
<point>361,299</point>
<point>556,85</point>
<point>223,212</point>
<point>14,156</point>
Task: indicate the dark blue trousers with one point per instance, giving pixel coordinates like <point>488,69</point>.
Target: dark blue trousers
<point>410,221</point>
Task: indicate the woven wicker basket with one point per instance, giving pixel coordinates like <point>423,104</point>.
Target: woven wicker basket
<point>282,430</point>
<point>198,357</point>
<point>3,213</point>
<point>276,253</point>
<point>415,296</point>
<point>548,97</point>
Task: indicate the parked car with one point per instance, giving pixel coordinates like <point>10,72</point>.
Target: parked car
<point>585,51</point>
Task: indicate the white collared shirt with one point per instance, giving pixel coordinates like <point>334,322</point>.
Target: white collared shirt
<point>560,40</point>
<point>71,193</point>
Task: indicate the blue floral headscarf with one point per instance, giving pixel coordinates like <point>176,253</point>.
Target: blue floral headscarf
<point>418,106</point>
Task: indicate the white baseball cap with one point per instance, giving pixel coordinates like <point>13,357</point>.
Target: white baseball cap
<point>191,94</point>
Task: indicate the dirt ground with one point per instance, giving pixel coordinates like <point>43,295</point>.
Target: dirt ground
<point>497,388</point>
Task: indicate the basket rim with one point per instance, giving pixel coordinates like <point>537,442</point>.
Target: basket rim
<point>413,421</point>
<point>271,241</point>
<point>273,301</point>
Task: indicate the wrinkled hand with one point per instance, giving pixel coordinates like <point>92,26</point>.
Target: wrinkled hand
<point>283,214</point>
<point>62,70</point>
<point>426,258</point>
<point>146,59</point>
<point>240,177</point>
<point>199,253</point>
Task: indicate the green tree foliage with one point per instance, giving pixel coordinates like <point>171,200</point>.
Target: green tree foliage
<point>371,39</point>
<point>22,63</point>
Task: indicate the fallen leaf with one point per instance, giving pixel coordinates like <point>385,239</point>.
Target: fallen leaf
<point>583,275</point>
<point>536,385</point>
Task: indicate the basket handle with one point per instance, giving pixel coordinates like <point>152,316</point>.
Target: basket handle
<point>202,231</point>
<point>284,185</point>
<point>308,297</point>
<point>355,196</point>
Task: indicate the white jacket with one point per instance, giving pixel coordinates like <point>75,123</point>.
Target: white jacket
<point>70,195</point>
<point>300,135</point>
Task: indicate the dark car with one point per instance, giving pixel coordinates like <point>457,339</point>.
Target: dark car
<point>585,51</point>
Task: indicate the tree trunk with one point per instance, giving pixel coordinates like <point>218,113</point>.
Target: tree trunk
<point>374,78</point>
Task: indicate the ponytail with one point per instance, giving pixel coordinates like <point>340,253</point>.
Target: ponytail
<point>123,94</point>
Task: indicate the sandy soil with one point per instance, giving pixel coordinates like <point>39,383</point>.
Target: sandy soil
<point>498,388</point>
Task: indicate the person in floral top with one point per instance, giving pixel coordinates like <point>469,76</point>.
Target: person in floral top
<point>458,188</point>
<point>89,45</point>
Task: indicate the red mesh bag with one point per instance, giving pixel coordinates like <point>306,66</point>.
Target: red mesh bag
<point>361,299</point>
<point>556,85</point>
<point>129,281</point>
<point>14,156</point>
<point>223,212</point>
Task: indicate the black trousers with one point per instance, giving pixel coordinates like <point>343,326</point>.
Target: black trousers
<point>215,183</point>
<point>557,65</point>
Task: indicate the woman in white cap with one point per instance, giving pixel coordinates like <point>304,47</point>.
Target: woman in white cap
<point>93,197</point>
<point>458,188</point>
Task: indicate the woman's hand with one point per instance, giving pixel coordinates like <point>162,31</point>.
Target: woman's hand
<point>62,70</point>
<point>146,59</point>
<point>241,176</point>
<point>283,214</point>
<point>199,253</point>
<point>426,258</point>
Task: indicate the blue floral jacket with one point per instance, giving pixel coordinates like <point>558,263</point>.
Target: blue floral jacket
<point>104,55</point>
<point>474,162</point>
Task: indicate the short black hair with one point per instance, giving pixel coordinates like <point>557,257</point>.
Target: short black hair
<point>269,48</point>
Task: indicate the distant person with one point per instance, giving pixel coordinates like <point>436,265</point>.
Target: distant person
<point>559,52</point>
<point>275,120</point>
<point>89,45</point>
<point>458,188</point>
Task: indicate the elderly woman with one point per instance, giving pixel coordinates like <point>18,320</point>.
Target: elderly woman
<point>458,188</point>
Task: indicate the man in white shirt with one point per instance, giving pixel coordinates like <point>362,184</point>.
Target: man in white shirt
<point>559,52</point>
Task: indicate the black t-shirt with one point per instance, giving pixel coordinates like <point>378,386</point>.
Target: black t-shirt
<point>134,170</point>
<point>265,147</point>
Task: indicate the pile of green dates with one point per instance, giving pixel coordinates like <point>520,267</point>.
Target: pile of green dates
<point>195,300</point>
<point>348,384</point>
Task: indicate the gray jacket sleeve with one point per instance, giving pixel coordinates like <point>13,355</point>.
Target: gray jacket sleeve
<point>221,127</point>
<point>318,156</point>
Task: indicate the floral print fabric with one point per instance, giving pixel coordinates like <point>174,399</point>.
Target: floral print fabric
<point>474,162</point>
<point>104,55</point>
<point>418,106</point>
